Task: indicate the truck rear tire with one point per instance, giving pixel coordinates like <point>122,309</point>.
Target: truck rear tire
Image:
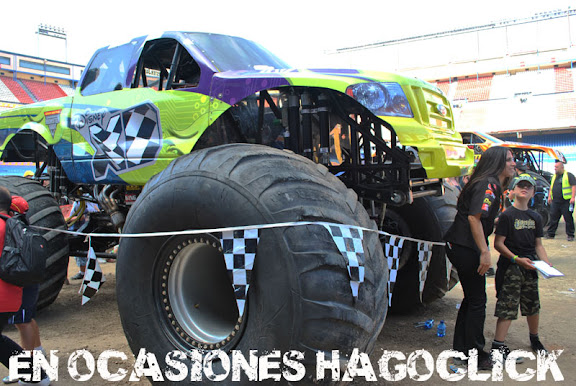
<point>174,294</point>
<point>44,211</point>
<point>427,218</point>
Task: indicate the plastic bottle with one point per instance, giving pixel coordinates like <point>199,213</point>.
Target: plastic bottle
<point>571,208</point>
<point>428,324</point>
<point>441,330</point>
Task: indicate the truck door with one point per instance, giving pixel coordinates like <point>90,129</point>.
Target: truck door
<point>137,111</point>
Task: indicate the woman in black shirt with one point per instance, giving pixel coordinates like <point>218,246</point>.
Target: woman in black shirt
<point>467,245</point>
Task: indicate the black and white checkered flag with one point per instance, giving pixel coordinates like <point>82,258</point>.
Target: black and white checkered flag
<point>126,139</point>
<point>349,242</point>
<point>239,248</point>
<point>424,255</point>
<point>392,249</point>
<point>93,277</point>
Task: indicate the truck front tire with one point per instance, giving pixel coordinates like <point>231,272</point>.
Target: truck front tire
<point>174,294</point>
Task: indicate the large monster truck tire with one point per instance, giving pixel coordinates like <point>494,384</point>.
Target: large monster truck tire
<point>174,293</point>
<point>44,211</point>
<point>427,218</point>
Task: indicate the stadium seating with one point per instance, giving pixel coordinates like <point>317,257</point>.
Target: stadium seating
<point>67,89</point>
<point>473,89</point>
<point>42,91</point>
<point>17,90</point>
<point>564,81</point>
<point>5,94</point>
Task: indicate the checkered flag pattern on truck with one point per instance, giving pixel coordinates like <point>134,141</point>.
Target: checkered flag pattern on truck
<point>424,255</point>
<point>239,248</point>
<point>349,243</point>
<point>93,277</point>
<point>125,140</point>
<point>392,249</point>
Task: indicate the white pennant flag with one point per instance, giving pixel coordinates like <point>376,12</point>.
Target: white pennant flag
<point>93,277</point>
<point>239,248</point>
<point>424,255</point>
<point>392,249</point>
<point>349,242</point>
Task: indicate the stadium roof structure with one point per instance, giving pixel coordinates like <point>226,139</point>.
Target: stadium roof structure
<point>492,25</point>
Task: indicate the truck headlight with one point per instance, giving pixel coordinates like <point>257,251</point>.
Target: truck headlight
<point>381,98</point>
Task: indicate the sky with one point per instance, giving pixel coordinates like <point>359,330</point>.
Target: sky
<point>298,31</point>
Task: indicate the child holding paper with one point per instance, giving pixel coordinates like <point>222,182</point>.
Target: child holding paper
<point>519,241</point>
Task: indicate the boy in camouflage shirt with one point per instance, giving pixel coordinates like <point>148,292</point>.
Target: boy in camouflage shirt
<point>519,241</point>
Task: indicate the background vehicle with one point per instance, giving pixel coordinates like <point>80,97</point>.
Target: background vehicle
<point>533,156</point>
<point>234,137</point>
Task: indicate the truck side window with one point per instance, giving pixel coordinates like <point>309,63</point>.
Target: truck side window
<point>155,66</point>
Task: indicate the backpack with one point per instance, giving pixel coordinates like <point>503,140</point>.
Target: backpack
<point>23,259</point>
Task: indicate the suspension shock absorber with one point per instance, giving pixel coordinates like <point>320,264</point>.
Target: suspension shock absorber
<point>324,123</point>
<point>294,122</point>
<point>307,125</point>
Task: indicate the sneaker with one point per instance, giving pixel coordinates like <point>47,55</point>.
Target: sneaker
<point>44,382</point>
<point>78,276</point>
<point>485,363</point>
<point>505,351</point>
<point>570,238</point>
<point>7,380</point>
<point>548,237</point>
<point>537,346</point>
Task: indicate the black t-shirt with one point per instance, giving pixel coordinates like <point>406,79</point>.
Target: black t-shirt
<point>557,187</point>
<point>521,228</point>
<point>484,198</point>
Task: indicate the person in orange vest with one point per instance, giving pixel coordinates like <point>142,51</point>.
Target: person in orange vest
<point>561,200</point>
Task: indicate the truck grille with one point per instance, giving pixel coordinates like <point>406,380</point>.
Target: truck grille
<point>442,124</point>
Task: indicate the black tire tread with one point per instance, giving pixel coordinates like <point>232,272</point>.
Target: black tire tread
<point>44,211</point>
<point>308,192</point>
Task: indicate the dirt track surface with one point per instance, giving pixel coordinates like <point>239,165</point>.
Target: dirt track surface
<point>67,326</point>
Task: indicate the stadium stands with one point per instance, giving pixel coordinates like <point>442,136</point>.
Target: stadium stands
<point>564,80</point>
<point>67,89</point>
<point>25,91</point>
<point>44,92</point>
<point>473,89</point>
<point>5,94</point>
<point>16,89</point>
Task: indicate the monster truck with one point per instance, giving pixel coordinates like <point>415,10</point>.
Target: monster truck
<point>531,155</point>
<point>204,131</point>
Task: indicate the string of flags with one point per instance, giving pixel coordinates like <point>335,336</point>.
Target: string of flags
<point>239,247</point>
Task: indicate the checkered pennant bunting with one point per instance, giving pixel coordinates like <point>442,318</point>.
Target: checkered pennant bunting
<point>93,277</point>
<point>239,248</point>
<point>349,242</point>
<point>424,255</point>
<point>392,249</point>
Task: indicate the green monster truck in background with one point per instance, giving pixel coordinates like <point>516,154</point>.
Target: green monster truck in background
<point>202,131</point>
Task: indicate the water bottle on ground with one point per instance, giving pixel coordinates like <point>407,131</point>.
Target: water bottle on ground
<point>428,324</point>
<point>441,330</point>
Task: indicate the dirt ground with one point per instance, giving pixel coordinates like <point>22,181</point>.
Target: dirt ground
<point>67,326</point>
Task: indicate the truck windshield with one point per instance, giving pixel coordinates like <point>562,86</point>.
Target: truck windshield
<point>110,69</point>
<point>229,53</point>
